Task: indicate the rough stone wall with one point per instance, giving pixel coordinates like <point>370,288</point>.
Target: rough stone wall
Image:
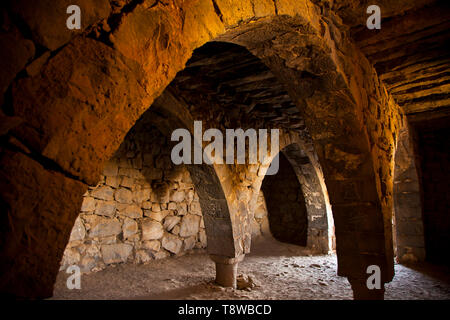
<point>143,208</point>
<point>409,240</point>
<point>260,225</point>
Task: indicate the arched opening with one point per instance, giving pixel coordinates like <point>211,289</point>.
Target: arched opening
<point>296,204</point>
<point>288,220</point>
<point>143,207</point>
<point>84,97</point>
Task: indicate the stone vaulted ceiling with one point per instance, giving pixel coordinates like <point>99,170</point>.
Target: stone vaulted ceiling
<point>410,53</point>
<point>240,83</point>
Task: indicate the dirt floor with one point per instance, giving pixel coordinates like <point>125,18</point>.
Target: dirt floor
<point>280,271</point>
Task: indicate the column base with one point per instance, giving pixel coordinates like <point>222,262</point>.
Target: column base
<point>361,292</point>
<point>226,270</point>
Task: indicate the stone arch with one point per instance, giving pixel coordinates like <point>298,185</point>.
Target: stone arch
<point>90,93</point>
<point>355,151</point>
<point>308,174</point>
<point>408,215</point>
<point>286,209</point>
<point>208,180</point>
<point>141,199</point>
<point>320,219</point>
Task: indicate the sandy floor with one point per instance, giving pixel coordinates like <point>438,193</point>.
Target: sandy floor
<point>280,271</point>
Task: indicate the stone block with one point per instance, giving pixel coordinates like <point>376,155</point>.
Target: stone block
<point>78,231</point>
<point>151,230</point>
<point>105,208</point>
<point>88,204</point>
<point>170,222</point>
<point>189,225</point>
<point>103,227</point>
<point>171,243</point>
<point>123,195</point>
<point>103,193</point>
<point>130,228</point>
<point>132,211</point>
<point>116,253</point>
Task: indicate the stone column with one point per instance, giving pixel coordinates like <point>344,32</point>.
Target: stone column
<point>226,269</point>
<point>362,292</point>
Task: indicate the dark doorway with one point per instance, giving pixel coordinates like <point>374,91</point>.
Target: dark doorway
<point>434,146</point>
<point>286,208</point>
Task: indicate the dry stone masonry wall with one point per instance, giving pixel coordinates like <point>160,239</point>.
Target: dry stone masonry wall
<point>143,208</point>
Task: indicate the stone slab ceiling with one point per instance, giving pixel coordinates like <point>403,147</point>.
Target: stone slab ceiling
<point>240,83</point>
<point>411,54</point>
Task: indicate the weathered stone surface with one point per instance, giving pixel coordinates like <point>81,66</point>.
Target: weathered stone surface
<point>110,169</point>
<point>71,257</point>
<point>34,67</point>
<point>171,243</point>
<point>52,32</point>
<point>189,243</point>
<point>170,222</point>
<point>202,238</point>
<point>130,228</point>
<point>63,139</point>
<point>160,193</point>
<point>130,173</point>
<point>132,211</point>
<point>16,52</point>
<point>151,173</point>
<point>245,282</point>
<point>181,209</point>
<point>103,227</point>
<point>103,193</point>
<point>78,231</point>
<point>195,208</point>
<point>142,256</point>
<point>158,216</point>
<point>189,225</point>
<point>176,196</point>
<point>115,253</point>
<point>147,205</point>
<point>88,204</point>
<point>156,207</point>
<point>123,195</point>
<point>88,264</point>
<point>176,230</point>
<point>151,230</point>
<point>127,182</point>
<point>161,254</point>
<point>140,196</point>
<point>256,228</point>
<point>105,208</point>
<point>260,212</point>
<point>112,181</point>
<point>153,245</point>
<point>40,205</point>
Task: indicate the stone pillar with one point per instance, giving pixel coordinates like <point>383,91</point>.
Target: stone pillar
<point>226,269</point>
<point>362,292</point>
